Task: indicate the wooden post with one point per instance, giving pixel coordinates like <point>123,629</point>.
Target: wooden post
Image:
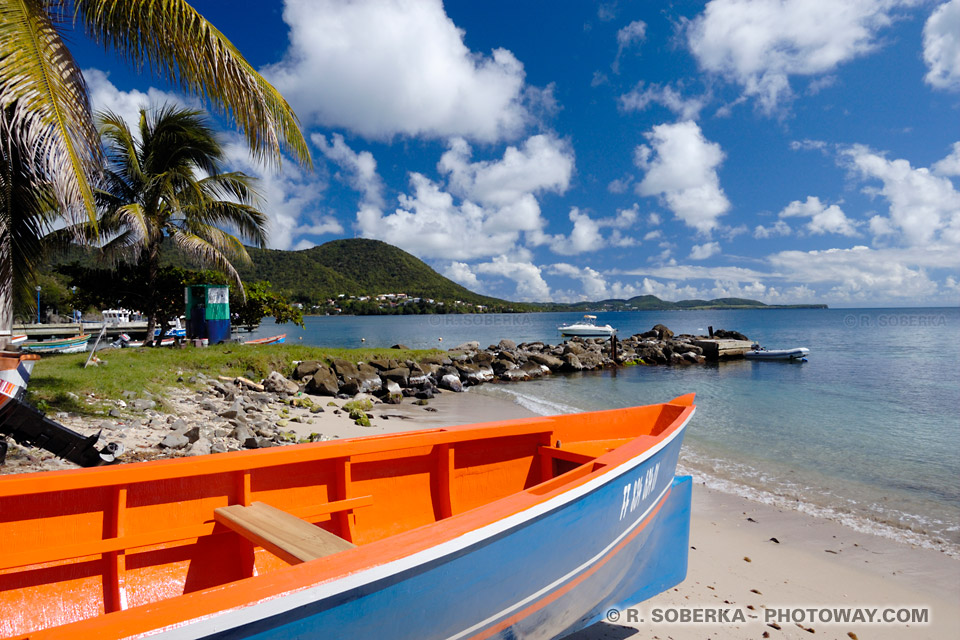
<point>710,329</point>
<point>613,348</point>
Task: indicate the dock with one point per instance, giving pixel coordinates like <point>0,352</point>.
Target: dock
<point>69,329</point>
<point>720,349</point>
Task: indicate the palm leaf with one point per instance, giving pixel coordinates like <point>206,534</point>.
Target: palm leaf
<point>174,39</point>
<point>50,115</point>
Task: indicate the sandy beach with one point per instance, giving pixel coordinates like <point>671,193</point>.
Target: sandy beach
<point>744,555</point>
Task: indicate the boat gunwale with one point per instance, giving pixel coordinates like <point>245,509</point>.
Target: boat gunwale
<point>402,548</point>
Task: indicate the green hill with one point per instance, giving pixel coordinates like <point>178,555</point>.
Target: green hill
<point>355,267</point>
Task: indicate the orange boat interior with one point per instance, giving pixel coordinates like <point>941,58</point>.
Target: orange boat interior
<point>81,544</point>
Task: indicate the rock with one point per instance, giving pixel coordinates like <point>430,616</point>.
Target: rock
<point>424,394</point>
<point>514,375</point>
<point>192,434</point>
<point>548,361</point>
<point>532,369</point>
<point>115,413</point>
<point>451,382</point>
<point>174,441</point>
<point>241,433</point>
<point>573,347</point>
<point>208,405</point>
<point>400,346</point>
<point>344,369</point>
<point>507,345</point>
<point>323,383</point>
<point>400,375</point>
<point>500,365</point>
<point>276,383</point>
<point>252,442</point>
<point>142,404</point>
<point>663,333</point>
<point>218,447</point>
<point>369,378</point>
<point>382,365</point>
<point>729,335</point>
<point>306,369</point>
<point>471,345</point>
<point>691,357</point>
<point>439,360</point>
<point>571,363</point>
<point>590,359</point>
<point>201,447</point>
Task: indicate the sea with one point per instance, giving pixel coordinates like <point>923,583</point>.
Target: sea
<point>866,432</point>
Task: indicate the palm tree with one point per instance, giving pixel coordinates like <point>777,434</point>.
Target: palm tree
<point>50,129</point>
<point>166,184</point>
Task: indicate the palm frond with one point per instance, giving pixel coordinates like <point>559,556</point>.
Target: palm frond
<point>50,115</point>
<point>174,39</point>
<point>205,252</point>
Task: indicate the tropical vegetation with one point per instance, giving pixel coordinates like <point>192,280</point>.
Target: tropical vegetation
<point>166,183</point>
<point>50,154</point>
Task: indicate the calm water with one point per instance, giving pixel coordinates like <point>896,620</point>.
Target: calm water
<point>866,432</point>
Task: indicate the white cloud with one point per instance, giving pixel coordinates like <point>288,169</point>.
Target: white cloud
<point>924,207</point>
<point>386,67</point>
<point>542,163</point>
<point>594,284</point>
<point>704,251</point>
<point>482,211</point>
<point>633,33</point>
<point>941,46</point>
<point>639,98</point>
<point>105,96</point>
<point>681,167</point>
<point>823,219</point>
<point>586,235</point>
<point>460,272</point>
<point>779,228</point>
<point>530,283</point>
<point>291,198</point>
<point>760,43</point>
<point>949,166</point>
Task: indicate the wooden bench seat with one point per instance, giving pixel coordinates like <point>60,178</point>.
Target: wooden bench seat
<point>283,534</point>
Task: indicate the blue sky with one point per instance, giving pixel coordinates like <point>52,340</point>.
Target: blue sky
<point>789,151</point>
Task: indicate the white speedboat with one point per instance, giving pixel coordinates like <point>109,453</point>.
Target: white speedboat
<point>587,328</point>
<point>759,353</point>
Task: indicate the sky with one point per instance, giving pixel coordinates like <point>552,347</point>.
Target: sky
<point>789,151</point>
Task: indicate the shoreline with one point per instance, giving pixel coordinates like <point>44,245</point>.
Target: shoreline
<point>816,561</point>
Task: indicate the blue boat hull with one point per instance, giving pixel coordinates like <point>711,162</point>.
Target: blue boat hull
<point>617,541</point>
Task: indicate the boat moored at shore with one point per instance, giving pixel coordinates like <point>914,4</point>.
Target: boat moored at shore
<point>586,328</point>
<point>67,345</point>
<point>516,529</point>
<point>798,354</point>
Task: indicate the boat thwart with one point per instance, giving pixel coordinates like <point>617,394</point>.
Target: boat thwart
<point>516,529</point>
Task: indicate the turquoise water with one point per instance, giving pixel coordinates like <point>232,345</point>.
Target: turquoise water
<point>867,432</point>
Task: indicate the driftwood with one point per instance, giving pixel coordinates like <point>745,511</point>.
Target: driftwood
<point>240,380</point>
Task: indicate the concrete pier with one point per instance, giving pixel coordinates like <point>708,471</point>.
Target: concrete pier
<point>69,329</point>
<point>720,349</point>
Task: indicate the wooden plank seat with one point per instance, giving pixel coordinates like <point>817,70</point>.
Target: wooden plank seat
<point>283,534</point>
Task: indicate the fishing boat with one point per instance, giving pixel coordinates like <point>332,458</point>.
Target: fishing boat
<point>271,340</point>
<point>530,528</point>
<point>18,339</point>
<point>759,353</point>
<point>587,328</point>
<point>75,344</point>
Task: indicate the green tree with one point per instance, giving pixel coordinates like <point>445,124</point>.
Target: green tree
<point>261,301</point>
<point>154,192</point>
<point>47,133</point>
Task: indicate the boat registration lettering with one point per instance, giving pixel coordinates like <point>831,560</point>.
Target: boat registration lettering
<point>638,491</point>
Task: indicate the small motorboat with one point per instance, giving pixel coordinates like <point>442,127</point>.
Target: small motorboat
<point>529,528</point>
<point>67,345</point>
<point>759,353</point>
<point>587,328</point>
<point>18,339</point>
<point>271,340</point>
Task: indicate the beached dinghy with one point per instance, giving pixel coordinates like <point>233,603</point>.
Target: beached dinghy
<point>517,529</point>
<point>75,344</point>
<point>271,340</point>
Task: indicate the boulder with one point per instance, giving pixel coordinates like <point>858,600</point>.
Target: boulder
<point>663,333</point>
<point>400,375</point>
<point>400,346</point>
<point>551,362</point>
<point>471,345</point>
<point>201,447</point>
<point>500,365</point>
<point>571,363</point>
<point>514,375</point>
<point>381,364</point>
<point>483,358</point>
<point>276,383</point>
<point>532,369</point>
<point>590,359</point>
<point>729,335</point>
<point>174,441</point>
<point>306,369</point>
<point>573,347</point>
<point>438,359</point>
<point>451,382</point>
<point>344,369</point>
<point>323,383</point>
<point>507,345</point>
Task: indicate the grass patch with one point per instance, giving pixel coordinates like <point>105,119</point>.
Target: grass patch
<point>146,369</point>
